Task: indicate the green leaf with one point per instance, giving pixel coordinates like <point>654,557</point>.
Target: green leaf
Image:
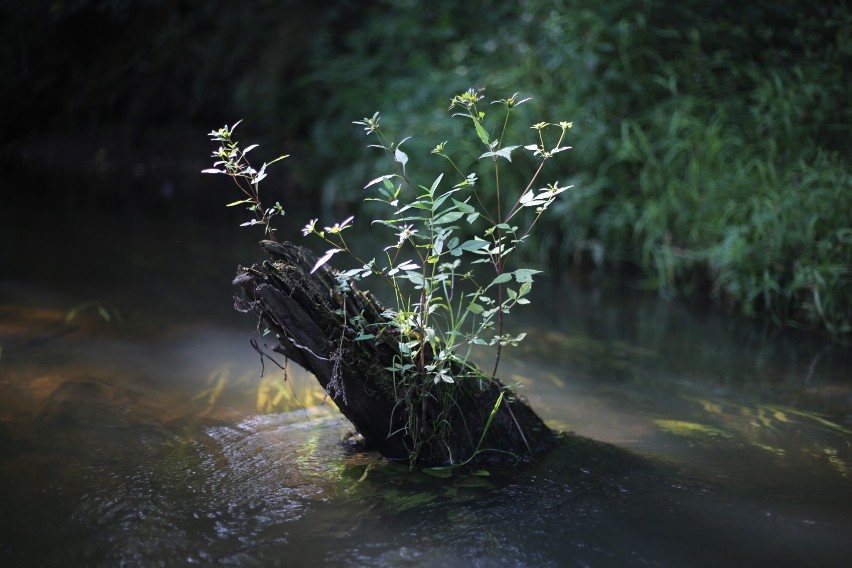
<point>413,277</point>
<point>529,199</point>
<point>450,217</point>
<point>501,279</point>
<point>435,184</point>
<point>240,202</point>
<point>480,131</point>
<point>557,150</point>
<point>324,258</point>
<point>438,247</point>
<point>417,205</point>
<point>473,245</point>
<point>463,207</point>
<point>440,201</point>
<point>400,157</point>
<point>525,274</point>
<point>407,267</point>
<point>382,179</point>
<point>501,153</point>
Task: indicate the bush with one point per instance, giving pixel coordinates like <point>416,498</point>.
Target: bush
<point>712,138</point>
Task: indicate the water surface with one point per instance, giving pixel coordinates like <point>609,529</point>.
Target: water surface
<point>136,429</point>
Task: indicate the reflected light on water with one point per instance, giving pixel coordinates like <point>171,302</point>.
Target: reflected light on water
<point>154,438</point>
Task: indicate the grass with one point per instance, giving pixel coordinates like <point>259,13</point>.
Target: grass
<point>709,145</point>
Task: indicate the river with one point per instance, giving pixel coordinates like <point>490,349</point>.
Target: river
<point>136,428</point>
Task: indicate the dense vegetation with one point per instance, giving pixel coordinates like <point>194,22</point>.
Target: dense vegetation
<point>710,138</point>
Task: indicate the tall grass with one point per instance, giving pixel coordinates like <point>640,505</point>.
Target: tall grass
<point>711,146</point>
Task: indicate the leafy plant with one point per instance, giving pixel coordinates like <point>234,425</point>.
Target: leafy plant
<point>714,155</point>
<point>233,161</point>
<point>446,259</point>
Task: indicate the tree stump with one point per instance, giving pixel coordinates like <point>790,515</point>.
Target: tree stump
<point>310,321</point>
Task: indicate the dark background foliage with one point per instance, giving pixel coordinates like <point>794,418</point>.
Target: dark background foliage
<point>710,143</point>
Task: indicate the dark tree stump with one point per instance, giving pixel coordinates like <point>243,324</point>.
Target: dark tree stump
<point>304,314</point>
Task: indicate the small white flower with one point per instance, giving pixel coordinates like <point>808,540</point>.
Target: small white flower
<point>310,227</point>
<point>340,226</point>
<point>405,233</point>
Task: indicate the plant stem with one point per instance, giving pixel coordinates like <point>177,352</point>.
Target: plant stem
<point>499,268</point>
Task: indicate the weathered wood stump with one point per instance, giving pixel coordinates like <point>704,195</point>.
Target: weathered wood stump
<point>304,313</point>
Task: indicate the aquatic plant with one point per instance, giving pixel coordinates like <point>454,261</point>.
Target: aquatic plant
<point>446,259</point>
<point>233,161</point>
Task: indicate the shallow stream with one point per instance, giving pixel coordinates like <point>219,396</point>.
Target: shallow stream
<point>135,428</point>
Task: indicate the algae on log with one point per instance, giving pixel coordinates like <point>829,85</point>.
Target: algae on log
<point>304,314</point>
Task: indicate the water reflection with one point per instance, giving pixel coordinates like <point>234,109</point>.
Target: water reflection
<point>121,447</point>
<point>150,440</point>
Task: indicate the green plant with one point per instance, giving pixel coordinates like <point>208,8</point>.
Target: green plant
<point>233,161</point>
<point>714,155</point>
<point>447,258</point>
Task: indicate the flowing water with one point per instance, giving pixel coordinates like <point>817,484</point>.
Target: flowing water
<point>136,430</point>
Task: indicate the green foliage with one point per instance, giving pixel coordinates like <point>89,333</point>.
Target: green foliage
<point>442,306</point>
<point>693,115</point>
<point>714,149</point>
<point>232,160</point>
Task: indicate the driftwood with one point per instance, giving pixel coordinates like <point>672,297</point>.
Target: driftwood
<point>304,315</point>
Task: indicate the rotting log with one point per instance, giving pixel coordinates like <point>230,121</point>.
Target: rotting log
<point>309,322</point>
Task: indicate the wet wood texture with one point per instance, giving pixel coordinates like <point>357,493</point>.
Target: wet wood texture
<point>310,322</point>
